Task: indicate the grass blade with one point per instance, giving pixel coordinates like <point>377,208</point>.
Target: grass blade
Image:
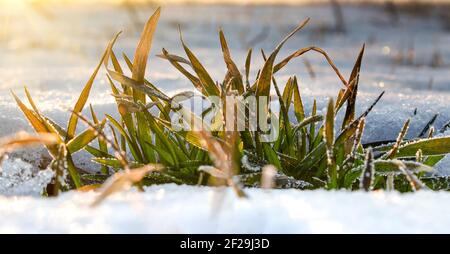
<point>367,177</point>
<point>71,127</point>
<point>142,52</point>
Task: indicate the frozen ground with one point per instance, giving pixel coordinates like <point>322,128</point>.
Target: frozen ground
<point>187,209</point>
<point>53,49</point>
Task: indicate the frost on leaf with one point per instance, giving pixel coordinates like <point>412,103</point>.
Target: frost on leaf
<point>19,178</point>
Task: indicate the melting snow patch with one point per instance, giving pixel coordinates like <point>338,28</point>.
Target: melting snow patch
<point>21,178</point>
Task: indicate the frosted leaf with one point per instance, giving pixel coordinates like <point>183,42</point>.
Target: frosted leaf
<point>19,178</point>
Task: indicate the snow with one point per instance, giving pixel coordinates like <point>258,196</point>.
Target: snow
<point>21,178</point>
<point>54,52</point>
<point>188,209</point>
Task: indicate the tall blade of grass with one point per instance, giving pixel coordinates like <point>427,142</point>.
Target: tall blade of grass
<point>248,60</point>
<point>195,81</point>
<point>33,105</point>
<point>284,119</point>
<point>351,102</point>
<point>83,139</point>
<point>174,58</point>
<point>358,136</point>
<point>352,127</point>
<point>137,86</point>
<point>345,95</point>
<point>133,146</point>
<point>34,120</point>
<point>232,68</point>
<point>126,118</point>
<point>287,94</point>
<point>142,52</point>
<point>48,124</point>
<point>302,51</point>
<point>428,126</point>
<point>73,171</point>
<point>206,81</point>
<point>328,134</point>
<point>101,142</point>
<point>265,78</point>
<point>138,75</point>
<point>298,103</point>
<point>307,121</point>
<point>368,174</point>
<point>312,128</point>
<point>71,127</point>
<point>37,123</point>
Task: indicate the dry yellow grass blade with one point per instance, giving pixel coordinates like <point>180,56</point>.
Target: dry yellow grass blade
<point>122,180</point>
<point>23,140</point>
<point>71,128</point>
<point>87,188</point>
<point>30,115</point>
<point>142,51</point>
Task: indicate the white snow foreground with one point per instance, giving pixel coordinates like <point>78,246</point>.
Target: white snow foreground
<point>190,209</point>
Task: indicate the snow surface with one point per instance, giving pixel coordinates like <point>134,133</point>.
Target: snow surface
<point>53,50</point>
<point>188,209</point>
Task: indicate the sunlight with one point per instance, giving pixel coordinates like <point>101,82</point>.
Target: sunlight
<point>19,3</point>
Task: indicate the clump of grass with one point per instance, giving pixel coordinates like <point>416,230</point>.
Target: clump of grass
<point>307,149</point>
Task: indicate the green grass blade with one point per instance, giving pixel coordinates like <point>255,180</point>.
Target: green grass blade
<point>429,147</point>
<point>73,171</point>
<point>83,139</point>
<point>71,127</point>
<point>248,60</point>
<point>298,103</point>
<point>133,146</point>
<point>232,68</point>
<point>102,145</point>
<point>302,51</point>
<point>351,102</point>
<point>328,134</point>
<point>207,82</point>
<point>115,163</point>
